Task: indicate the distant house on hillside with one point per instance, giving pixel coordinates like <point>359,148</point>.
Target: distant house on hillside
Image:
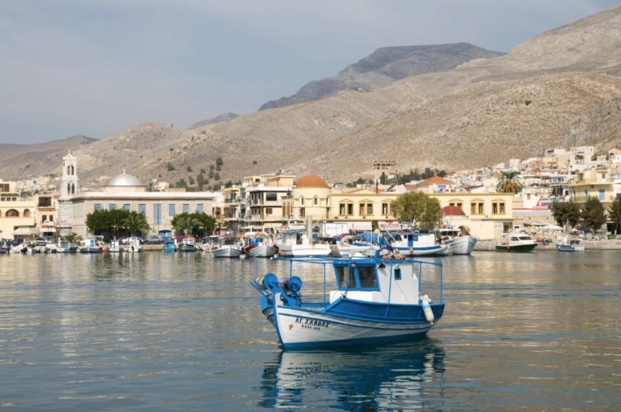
<point>436,184</point>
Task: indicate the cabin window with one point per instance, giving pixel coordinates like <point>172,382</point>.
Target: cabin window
<point>397,273</point>
<point>347,277</point>
<point>367,277</point>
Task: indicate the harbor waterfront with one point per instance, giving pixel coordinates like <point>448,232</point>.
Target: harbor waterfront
<point>158,331</point>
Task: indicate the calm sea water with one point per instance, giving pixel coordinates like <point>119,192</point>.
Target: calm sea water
<point>153,331</point>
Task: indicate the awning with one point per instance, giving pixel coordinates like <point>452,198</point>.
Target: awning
<point>26,231</point>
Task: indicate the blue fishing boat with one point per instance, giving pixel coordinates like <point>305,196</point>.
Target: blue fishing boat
<point>373,300</point>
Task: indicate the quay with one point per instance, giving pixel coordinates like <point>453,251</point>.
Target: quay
<point>615,244</point>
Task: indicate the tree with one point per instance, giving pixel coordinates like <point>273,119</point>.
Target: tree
<point>136,222</point>
<point>417,207</point>
<point>509,182</point>
<point>614,213</point>
<point>566,213</point>
<point>107,221</point>
<point>190,224</point>
<point>593,215</point>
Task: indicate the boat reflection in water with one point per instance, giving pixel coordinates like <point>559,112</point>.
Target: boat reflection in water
<point>403,376</point>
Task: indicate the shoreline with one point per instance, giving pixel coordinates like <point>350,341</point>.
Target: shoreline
<point>490,245</point>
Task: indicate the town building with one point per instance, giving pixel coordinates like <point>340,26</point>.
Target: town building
<point>124,191</point>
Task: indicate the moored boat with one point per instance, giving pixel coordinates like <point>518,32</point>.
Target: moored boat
<point>374,300</point>
<point>296,243</point>
<point>226,247</point>
<point>259,247</point>
<point>414,244</point>
<point>188,244</point>
<point>459,240</point>
<point>570,245</point>
<point>515,242</point>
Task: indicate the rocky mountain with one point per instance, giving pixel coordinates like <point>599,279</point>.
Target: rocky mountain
<point>559,89</point>
<point>222,118</point>
<point>385,66</point>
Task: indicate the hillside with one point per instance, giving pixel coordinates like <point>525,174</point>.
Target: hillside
<point>558,89</point>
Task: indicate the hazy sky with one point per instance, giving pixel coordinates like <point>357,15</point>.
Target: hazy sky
<point>99,67</point>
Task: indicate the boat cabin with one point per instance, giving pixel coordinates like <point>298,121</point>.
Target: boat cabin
<point>390,281</point>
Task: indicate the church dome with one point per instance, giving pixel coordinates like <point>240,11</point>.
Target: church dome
<point>124,179</point>
<point>311,181</point>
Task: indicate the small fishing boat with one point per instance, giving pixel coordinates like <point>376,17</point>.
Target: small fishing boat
<point>414,244</point>
<point>458,239</point>
<point>188,244</point>
<point>259,247</point>
<point>373,300</point>
<point>570,245</point>
<point>90,245</point>
<point>515,243</point>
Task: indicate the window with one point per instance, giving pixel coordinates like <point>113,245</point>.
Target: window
<point>271,197</point>
<point>157,213</point>
<point>476,207</point>
<point>385,209</point>
<point>127,207</point>
<point>315,201</point>
<point>186,208</point>
<point>142,208</point>
<point>367,277</point>
<point>397,273</point>
<point>498,208</point>
<point>199,208</point>
<point>171,209</point>
<point>602,194</point>
<point>346,208</point>
<point>97,206</point>
<point>365,208</point>
<point>112,206</point>
<point>268,210</point>
<point>347,277</point>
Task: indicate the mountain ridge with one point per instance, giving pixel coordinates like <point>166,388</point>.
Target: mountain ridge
<point>559,89</point>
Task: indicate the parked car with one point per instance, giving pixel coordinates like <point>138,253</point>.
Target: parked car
<point>42,241</point>
<point>154,240</point>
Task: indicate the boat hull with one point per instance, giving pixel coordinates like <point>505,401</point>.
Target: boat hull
<point>570,248</point>
<point>227,252</point>
<point>311,250</point>
<point>516,248</point>
<point>300,328</point>
<point>463,245</point>
<point>437,250</point>
<point>261,251</point>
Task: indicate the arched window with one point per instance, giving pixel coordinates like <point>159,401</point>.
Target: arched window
<point>27,213</point>
<point>12,213</point>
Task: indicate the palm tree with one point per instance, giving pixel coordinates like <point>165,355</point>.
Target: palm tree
<point>509,182</point>
<point>185,224</point>
<point>136,222</point>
